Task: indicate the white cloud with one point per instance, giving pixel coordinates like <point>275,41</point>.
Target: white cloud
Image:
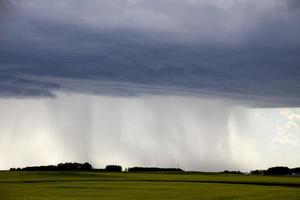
<point>284,138</point>
<point>292,124</point>
<point>290,133</point>
<point>293,115</point>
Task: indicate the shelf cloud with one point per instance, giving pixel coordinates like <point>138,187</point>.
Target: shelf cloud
<point>234,49</point>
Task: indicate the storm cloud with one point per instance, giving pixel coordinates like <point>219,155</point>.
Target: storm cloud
<point>245,50</point>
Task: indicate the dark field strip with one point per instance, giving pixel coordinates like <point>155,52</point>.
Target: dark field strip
<point>295,185</point>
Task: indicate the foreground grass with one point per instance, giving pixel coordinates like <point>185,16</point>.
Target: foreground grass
<point>92,185</point>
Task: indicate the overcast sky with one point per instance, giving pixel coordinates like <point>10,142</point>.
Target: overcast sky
<point>220,57</point>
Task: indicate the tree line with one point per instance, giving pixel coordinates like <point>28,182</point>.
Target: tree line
<point>60,167</point>
<point>277,171</point>
<point>73,166</point>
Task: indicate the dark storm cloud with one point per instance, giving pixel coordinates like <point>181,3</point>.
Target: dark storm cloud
<point>157,49</point>
<point>295,4</point>
<point>5,6</point>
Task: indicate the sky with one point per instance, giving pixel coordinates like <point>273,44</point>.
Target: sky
<point>199,84</point>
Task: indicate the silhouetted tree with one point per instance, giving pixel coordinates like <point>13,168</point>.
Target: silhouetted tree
<point>278,171</point>
<point>295,170</point>
<point>59,167</point>
<point>113,168</point>
<point>153,169</point>
<point>86,167</point>
<point>232,172</point>
<point>258,172</point>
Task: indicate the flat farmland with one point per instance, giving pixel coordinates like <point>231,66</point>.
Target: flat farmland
<point>113,186</point>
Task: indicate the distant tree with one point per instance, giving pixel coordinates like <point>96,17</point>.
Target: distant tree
<point>153,169</point>
<point>113,168</point>
<point>74,166</point>
<point>232,172</point>
<point>278,171</point>
<point>40,168</point>
<point>86,167</point>
<point>295,170</point>
<point>258,172</point>
<point>68,166</point>
<point>59,167</point>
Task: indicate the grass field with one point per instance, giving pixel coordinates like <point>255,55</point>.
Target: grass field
<point>110,186</point>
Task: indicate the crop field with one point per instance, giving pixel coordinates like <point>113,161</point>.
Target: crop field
<point>111,186</point>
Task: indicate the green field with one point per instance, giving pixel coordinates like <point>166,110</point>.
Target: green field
<point>93,185</point>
